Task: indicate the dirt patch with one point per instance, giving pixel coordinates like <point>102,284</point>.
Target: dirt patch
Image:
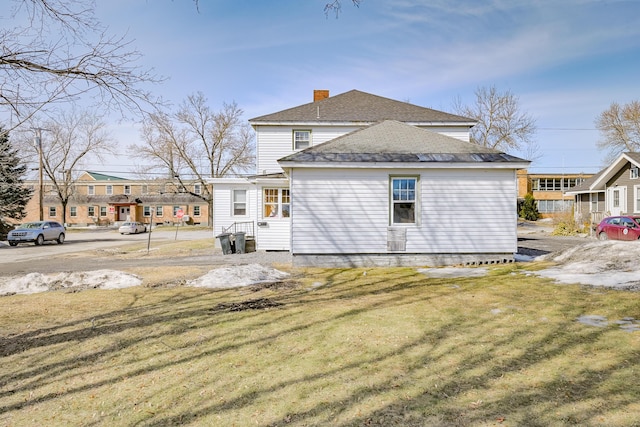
<point>252,304</point>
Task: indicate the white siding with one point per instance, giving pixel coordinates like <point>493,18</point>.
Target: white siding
<point>223,205</point>
<point>272,234</point>
<point>275,142</point>
<point>347,211</point>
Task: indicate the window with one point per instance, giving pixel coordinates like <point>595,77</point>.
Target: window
<point>52,211</point>
<point>616,198</point>
<point>109,190</point>
<point>196,210</point>
<point>91,211</point>
<point>555,184</point>
<point>175,210</point>
<point>239,202</point>
<point>158,210</point>
<point>276,203</point>
<point>91,190</point>
<point>146,211</point>
<point>403,200</point>
<point>145,189</point>
<point>554,206</point>
<point>127,189</point>
<point>73,211</point>
<point>636,190</point>
<point>197,188</point>
<point>633,172</point>
<point>301,139</point>
<point>594,202</point>
<point>103,211</point>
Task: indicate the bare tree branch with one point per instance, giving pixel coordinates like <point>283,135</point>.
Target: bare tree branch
<point>63,54</point>
<point>620,129</point>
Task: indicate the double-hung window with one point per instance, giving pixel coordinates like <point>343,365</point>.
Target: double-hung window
<point>276,203</point>
<point>127,189</point>
<point>146,211</point>
<point>239,202</point>
<point>91,190</point>
<point>403,200</point>
<point>109,190</point>
<point>301,139</point>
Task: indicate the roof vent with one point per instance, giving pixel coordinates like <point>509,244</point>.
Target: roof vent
<point>319,95</point>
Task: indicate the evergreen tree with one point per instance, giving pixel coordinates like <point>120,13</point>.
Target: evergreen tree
<point>14,195</point>
<point>528,209</point>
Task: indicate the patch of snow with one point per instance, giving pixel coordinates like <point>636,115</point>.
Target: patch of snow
<point>611,264</point>
<point>37,282</point>
<point>237,276</point>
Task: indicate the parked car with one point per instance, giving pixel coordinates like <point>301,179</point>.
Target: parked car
<point>37,232</point>
<point>619,228</point>
<point>132,228</point>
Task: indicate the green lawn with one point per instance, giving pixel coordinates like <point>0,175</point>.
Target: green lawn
<point>352,347</point>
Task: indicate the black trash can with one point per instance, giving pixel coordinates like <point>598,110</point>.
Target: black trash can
<point>240,242</point>
<point>225,243</point>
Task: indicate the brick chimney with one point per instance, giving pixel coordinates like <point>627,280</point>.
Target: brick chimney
<point>319,95</point>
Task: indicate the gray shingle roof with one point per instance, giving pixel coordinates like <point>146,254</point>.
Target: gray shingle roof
<point>361,107</point>
<point>393,141</point>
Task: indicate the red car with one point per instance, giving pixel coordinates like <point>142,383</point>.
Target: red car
<point>619,228</point>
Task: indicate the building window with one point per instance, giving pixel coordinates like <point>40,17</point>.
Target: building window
<point>633,172</point>
<point>555,184</point>
<point>276,203</point>
<point>636,190</point>
<point>158,210</point>
<point>127,189</point>
<point>197,189</point>
<point>109,190</point>
<point>73,211</point>
<point>616,198</point>
<point>239,202</point>
<point>403,200</point>
<point>145,189</point>
<point>103,211</point>
<point>196,210</point>
<point>52,211</point>
<point>91,211</point>
<point>91,190</point>
<point>301,139</point>
<point>554,206</point>
<point>175,210</point>
<point>146,211</point>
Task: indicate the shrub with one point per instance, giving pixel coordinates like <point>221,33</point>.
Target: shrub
<point>528,209</point>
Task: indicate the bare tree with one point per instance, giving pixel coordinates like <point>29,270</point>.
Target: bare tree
<point>620,128</point>
<point>69,139</point>
<point>501,123</point>
<point>61,52</point>
<point>335,7</point>
<point>197,143</point>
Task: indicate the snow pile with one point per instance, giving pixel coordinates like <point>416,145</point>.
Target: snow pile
<point>611,264</point>
<point>238,275</point>
<point>36,282</point>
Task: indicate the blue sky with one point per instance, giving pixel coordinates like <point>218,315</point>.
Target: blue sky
<point>565,60</point>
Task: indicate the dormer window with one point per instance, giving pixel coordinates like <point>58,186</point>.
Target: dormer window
<point>301,139</point>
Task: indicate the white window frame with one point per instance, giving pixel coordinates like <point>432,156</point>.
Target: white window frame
<point>53,212</point>
<point>636,199</point>
<point>109,190</point>
<point>300,143</point>
<point>277,204</point>
<point>159,211</point>
<point>91,190</point>
<point>236,204</point>
<point>404,195</point>
<point>91,211</point>
<point>146,211</point>
<point>197,188</point>
<point>127,189</point>
<point>634,172</point>
<point>103,211</point>
<point>73,211</point>
<point>196,210</point>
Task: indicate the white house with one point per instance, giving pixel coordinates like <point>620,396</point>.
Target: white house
<point>358,179</point>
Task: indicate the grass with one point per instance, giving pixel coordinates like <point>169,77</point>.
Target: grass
<point>344,347</point>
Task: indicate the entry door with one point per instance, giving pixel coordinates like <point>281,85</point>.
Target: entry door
<point>617,200</point>
<point>123,214</point>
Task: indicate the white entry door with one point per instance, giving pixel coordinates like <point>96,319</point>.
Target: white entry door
<point>124,214</point>
<point>617,200</point>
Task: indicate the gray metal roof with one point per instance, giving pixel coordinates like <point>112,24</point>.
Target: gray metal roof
<point>361,107</point>
<point>393,141</point>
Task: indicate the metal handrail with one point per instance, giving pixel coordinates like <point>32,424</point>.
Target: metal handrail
<point>242,227</point>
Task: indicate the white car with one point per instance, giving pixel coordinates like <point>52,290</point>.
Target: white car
<point>132,228</point>
<point>37,232</point>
